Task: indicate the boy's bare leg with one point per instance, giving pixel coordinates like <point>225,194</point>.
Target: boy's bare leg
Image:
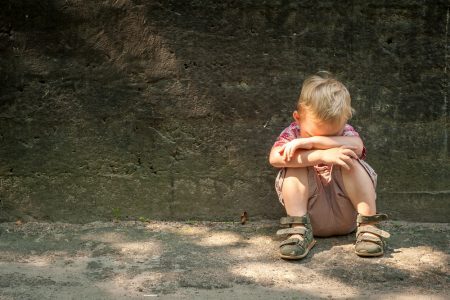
<point>295,193</point>
<point>360,189</point>
<point>361,192</point>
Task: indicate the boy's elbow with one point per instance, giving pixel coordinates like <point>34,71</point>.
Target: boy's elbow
<point>359,148</point>
<point>275,162</point>
<point>276,159</point>
<point>272,161</point>
<point>360,152</point>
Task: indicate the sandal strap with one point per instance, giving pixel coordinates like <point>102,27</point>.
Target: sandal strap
<point>368,238</point>
<point>372,229</point>
<point>292,230</point>
<point>295,220</point>
<point>293,241</point>
<point>360,219</point>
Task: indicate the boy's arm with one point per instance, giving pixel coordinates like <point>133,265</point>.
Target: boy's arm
<point>304,158</point>
<point>327,142</point>
<point>301,158</point>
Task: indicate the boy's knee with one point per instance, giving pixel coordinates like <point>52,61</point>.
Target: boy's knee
<point>295,184</point>
<point>356,169</point>
<point>357,175</point>
<point>296,177</point>
<point>300,173</point>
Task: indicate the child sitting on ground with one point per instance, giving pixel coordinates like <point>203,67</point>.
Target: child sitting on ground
<point>324,183</point>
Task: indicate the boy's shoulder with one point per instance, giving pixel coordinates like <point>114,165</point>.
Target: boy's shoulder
<point>294,126</point>
<point>349,130</point>
<point>293,129</point>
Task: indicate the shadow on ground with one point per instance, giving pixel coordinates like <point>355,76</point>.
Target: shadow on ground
<point>212,260</point>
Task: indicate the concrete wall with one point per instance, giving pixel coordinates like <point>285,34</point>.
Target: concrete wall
<point>168,109</point>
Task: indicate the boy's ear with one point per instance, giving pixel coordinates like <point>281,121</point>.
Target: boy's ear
<point>296,116</point>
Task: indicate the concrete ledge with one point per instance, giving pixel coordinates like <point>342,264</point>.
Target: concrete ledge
<point>416,206</point>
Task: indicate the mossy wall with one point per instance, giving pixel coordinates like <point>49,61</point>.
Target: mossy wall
<point>168,109</point>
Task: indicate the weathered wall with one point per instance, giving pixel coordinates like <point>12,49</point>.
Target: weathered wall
<point>168,109</point>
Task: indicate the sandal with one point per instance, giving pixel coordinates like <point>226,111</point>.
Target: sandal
<point>368,237</point>
<point>296,248</point>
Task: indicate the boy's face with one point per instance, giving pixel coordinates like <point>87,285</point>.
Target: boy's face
<point>310,126</point>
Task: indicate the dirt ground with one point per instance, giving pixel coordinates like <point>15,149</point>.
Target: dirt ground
<point>206,260</point>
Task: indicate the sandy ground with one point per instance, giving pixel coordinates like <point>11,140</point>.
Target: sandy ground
<point>205,260</point>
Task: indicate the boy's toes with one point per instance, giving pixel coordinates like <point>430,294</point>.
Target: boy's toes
<point>296,248</point>
<point>292,251</point>
<point>369,245</point>
<point>368,249</point>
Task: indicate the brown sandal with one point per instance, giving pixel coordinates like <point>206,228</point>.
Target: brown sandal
<point>369,240</point>
<point>296,248</point>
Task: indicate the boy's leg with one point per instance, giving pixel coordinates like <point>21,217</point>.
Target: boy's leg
<point>294,193</point>
<point>360,189</point>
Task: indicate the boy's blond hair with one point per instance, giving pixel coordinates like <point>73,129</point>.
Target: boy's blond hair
<point>326,98</point>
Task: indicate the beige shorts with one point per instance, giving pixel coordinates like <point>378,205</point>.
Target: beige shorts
<point>330,210</point>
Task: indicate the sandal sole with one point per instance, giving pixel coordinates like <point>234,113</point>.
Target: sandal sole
<point>300,256</point>
<point>369,254</point>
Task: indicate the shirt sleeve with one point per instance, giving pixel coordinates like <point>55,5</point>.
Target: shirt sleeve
<point>350,131</point>
<point>287,135</point>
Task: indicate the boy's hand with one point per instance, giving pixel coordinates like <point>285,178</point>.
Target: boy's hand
<point>288,149</point>
<point>341,156</point>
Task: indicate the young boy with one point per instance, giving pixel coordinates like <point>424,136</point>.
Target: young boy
<point>324,183</point>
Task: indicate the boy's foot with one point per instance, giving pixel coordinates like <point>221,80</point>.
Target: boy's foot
<point>300,237</point>
<point>369,241</point>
